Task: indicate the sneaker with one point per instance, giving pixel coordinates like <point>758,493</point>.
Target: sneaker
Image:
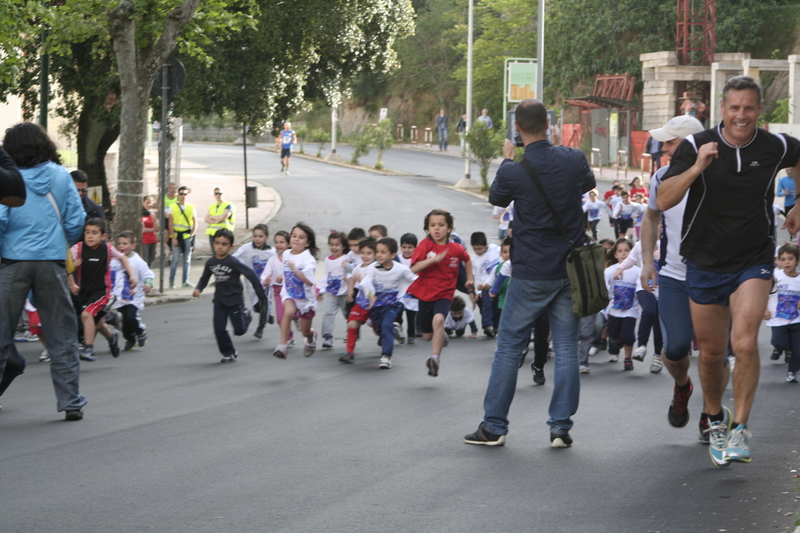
<point>593,351</point>
<point>411,340</point>
<point>142,339</point>
<point>639,353</point>
<point>281,350</point>
<point>258,333</point>
<point>538,375</point>
<point>678,413</point>
<point>129,344</point>
<point>613,358</point>
<point>718,439</point>
<point>287,172</point>
<point>291,341</point>
<point>74,414</point>
<point>87,354</point>
<point>628,364</point>
<point>347,358</point>
<point>704,428</point>
<point>433,365</point>
<point>229,358</point>
<point>113,344</point>
<point>613,347</point>
<point>271,319</point>
<point>25,336</point>
<point>776,354</point>
<point>791,377</point>
<point>738,450</point>
<point>656,364</point>
<point>489,332</point>
<point>45,357</point>
<point>310,347</point>
<point>327,342</point>
<point>483,436</point>
<point>398,333</point>
<point>584,369</point>
<point>386,362</point>
<point>560,440</point>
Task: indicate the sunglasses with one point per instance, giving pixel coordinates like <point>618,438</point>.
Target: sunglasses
<point>182,193</point>
<point>217,193</point>
<point>82,191</point>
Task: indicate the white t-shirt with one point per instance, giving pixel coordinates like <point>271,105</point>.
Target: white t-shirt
<point>613,202</point>
<point>122,287</point>
<point>388,286</point>
<point>409,302</point>
<point>595,209</point>
<point>294,288</point>
<point>360,272</point>
<point>466,319</point>
<point>672,265</point>
<point>483,266</point>
<point>274,270</point>
<point>256,259</point>
<point>626,211</point>
<point>506,215</point>
<point>623,302</point>
<point>334,279</point>
<point>783,303</point>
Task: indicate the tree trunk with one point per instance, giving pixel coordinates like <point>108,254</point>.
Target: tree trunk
<point>95,137</point>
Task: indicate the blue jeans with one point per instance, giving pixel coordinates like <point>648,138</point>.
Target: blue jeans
<point>525,301</point>
<point>52,299</point>
<point>383,319</point>
<point>185,246</point>
<point>442,138</point>
<point>240,320</point>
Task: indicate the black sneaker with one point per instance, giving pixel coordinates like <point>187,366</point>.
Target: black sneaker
<point>75,414</point>
<point>776,354</point>
<point>489,332</point>
<point>113,344</point>
<point>129,344</point>
<point>704,428</point>
<point>678,414</point>
<point>142,339</point>
<point>229,358</point>
<point>560,440</point>
<point>538,375</point>
<point>482,436</point>
<point>259,333</point>
<point>628,364</point>
<point>613,347</point>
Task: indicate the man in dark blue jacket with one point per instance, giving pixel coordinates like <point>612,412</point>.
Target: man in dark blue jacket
<point>539,279</point>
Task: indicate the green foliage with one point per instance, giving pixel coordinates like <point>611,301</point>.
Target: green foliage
<point>303,134</point>
<point>382,135</point>
<point>485,144</point>
<point>361,143</point>
<point>321,137</point>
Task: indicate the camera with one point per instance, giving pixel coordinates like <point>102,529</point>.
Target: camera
<point>513,134</point>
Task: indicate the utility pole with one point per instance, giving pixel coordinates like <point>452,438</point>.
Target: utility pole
<point>469,88</point>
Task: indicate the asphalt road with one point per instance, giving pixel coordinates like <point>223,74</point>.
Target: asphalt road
<point>175,441</point>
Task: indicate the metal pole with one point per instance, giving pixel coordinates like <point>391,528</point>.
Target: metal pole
<point>469,89</point>
<point>540,54</point>
<point>334,117</point>
<point>162,164</point>
<point>44,82</point>
<point>244,148</point>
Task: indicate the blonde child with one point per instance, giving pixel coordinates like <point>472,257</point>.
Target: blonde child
<point>334,284</point>
<point>623,309</point>
<point>128,304</point>
<point>256,254</point>
<point>298,294</point>
<point>436,260</point>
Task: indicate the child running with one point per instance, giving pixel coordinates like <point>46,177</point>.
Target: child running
<point>131,304</point>
<point>256,254</point>
<point>459,318</point>
<point>782,314</point>
<point>408,242</point>
<point>91,282</point>
<point>623,310</point>
<point>357,299</point>
<point>228,298</point>
<point>273,276</point>
<point>334,284</point>
<point>298,294</point>
<point>487,257</point>
<point>436,260</point>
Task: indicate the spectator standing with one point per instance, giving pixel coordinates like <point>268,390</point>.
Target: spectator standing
<point>486,119</point>
<point>149,231</point>
<point>461,130</point>
<point>182,227</point>
<point>33,248</point>
<point>442,123</point>
<point>220,216</point>
<point>92,208</point>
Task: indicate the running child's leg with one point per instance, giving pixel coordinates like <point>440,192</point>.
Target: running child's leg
<point>289,310</point>
<point>224,342</point>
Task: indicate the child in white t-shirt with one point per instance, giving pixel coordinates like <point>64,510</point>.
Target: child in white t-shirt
<point>487,257</point>
<point>272,276</point>
<point>408,243</point>
<point>333,285</point>
<point>256,254</point>
<point>594,209</point>
<point>623,309</point>
<point>459,318</point>
<point>783,309</point>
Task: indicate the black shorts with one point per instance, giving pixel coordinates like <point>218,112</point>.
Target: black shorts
<point>427,310</point>
<point>286,152</point>
<point>624,224</point>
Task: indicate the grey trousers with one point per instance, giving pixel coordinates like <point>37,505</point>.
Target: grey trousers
<point>48,280</point>
<point>335,303</point>
<point>586,338</point>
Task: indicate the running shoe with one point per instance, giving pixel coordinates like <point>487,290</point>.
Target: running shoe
<point>718,439</point>
<point>628,364</point>
<point>489,332</point>
<point>386,362</point>
<point>142,339</point>
<point>791,377</point>
<point>26,336</point>
<point>87,354</point>
<point>656,364</point>
<point>411,340</point>
<point>310,347</point>
<point>398,333</point>
<point>776,354</point>
<point>74,415</point>
<point>613,358</point>
<point>129,344</point>
<point>45,357</point>
<point>281,350</point>
<point>433,365</point>
<point>639,353</point>
<point>560,440</point>
<point>485,437</point>
<point>347,358</point>
<point>704,428</point>
<point>327,342</point>
<point>538,375</point>
<point>584,369</point>
<point>738,450</point>
<point>678,413</point>
<point>113,344</point>
<point>593,351</point>
<point>229,358</point>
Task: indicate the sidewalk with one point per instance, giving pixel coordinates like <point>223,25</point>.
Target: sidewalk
<point>201,185</point>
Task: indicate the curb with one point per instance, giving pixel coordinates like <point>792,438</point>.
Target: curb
<point>345,165</point>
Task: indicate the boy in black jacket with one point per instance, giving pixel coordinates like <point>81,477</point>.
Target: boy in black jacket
<point>228,299</point>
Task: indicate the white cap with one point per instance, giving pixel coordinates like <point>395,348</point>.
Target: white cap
<point>679,127</point>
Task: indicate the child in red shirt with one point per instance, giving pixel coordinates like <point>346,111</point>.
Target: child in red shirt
<point>436,260</point>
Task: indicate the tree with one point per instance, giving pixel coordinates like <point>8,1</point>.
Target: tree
<point>485,144</point>
<point>382,139</point>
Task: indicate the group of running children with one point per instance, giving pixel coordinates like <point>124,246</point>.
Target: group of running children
<point>371,280</point>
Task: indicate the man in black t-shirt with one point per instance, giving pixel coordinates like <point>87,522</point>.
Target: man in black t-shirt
<point>729,244</point>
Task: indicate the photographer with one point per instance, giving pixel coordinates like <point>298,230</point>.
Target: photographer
<point>539,281</point>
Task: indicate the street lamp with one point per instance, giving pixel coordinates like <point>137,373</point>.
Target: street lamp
<point>466,182</point>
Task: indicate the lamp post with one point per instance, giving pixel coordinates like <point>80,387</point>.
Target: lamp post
<point>540,54</point>
<point>466,182</point>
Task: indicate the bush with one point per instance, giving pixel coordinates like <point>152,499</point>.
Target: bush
<point>321,137</point>
<point>382,139</point>
<point>303,134</point>
<point>485,144</point>
<point>361,143</point>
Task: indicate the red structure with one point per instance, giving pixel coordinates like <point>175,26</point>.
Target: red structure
<point>696,32</point>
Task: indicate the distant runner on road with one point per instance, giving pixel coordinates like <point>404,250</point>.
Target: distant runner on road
<point>286,138</point>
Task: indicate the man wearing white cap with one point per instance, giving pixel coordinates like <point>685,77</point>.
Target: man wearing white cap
<point>728,245</point>
<point>673,299</point>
